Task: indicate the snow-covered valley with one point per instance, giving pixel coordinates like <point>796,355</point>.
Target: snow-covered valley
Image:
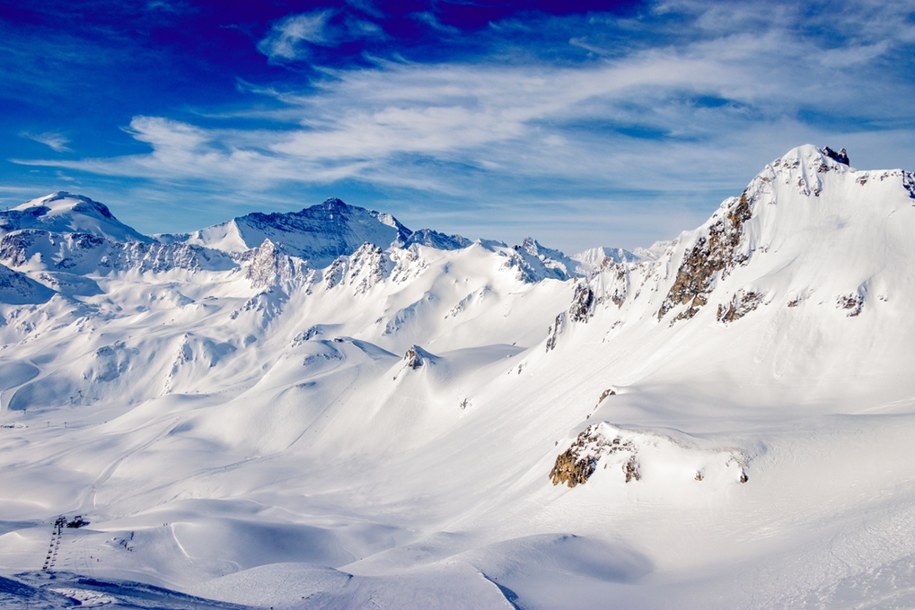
<point>326,409</point>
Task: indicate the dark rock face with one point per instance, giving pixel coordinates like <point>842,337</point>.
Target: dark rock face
<point>606,394</point>
<point>437,240</point>
<point>413,357</point>
<point>554,331</point>
<point>741,304</point>
<point>572,470</point>
<point>583,302</point>
<point>631,469</point>
<point>908,183</point>
<point>854,303</point>
<point>840,157</point>
<point>575,466</point>
<point>710,256</point>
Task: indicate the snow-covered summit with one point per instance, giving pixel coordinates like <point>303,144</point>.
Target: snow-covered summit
<point>807,227</point>
<point>319,234</point>
<point>63,212</point>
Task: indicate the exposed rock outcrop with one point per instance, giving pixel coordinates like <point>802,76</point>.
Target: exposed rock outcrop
<point>583,302</point>
<point>629,450</point>
<point>368,266</point>
<point>575,466</point>
<point>606,394</point>
<point>554,331</point>
<point>742,303</point>
<point>840,157</point>
<point>853,303</point>
<point>268,266</point>
<point>533,262</point>
<point>615,280</point>
<point>413,358</point>
<point>908,182</point>
<point>631,469</point>
<point>572,470</point>
<point>711,256</point>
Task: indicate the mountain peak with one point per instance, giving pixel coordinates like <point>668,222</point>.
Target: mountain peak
<point>808,155</point>
<point>319,233</point>
<point>333,203</point>
<point>839,157</point>
<point>63,201</point>
<point>64,212</point>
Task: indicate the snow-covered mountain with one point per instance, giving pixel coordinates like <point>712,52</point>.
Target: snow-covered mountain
<point>317,234</point>
<point>326,409</point>
<point>62,212</point>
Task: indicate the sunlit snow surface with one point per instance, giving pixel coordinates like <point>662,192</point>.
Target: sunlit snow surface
<point>240,427</point>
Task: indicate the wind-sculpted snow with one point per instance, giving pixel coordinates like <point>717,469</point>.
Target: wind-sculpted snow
<point>721,419</point>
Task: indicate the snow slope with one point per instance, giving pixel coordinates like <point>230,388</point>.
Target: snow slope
<point>63,212</point>
<point>419,426</point>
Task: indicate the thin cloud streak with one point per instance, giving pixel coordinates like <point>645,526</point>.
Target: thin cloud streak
<point>292,37</point>
<point>55,141</point>
<point>289,37</point>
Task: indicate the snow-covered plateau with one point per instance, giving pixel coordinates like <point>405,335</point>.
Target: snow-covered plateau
<point>326,409</point>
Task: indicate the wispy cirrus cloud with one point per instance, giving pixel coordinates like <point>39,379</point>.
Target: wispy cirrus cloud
<point>288,39</point>
<point>57,142</point>
<point>292,37</point>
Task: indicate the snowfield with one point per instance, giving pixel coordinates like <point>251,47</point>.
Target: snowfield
<point>326,409</point>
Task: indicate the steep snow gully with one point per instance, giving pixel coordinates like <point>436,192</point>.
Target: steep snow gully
<point>326,409</point>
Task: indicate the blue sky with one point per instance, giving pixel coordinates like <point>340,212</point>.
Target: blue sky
<point>580,123</point>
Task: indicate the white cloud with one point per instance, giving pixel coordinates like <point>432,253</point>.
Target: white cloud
<point>53,140</point>
<point>286,38</point>
<point>432,21</point>
<point>292,37</point>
